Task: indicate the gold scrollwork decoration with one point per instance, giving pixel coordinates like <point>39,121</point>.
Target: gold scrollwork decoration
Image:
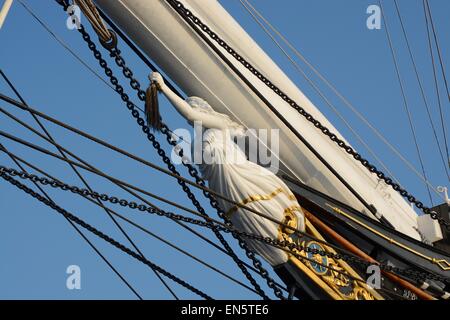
<point>330,271</point>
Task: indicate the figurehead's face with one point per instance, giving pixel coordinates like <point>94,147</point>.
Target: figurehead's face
<point>199,103</point>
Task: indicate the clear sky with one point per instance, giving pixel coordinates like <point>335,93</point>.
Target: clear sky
<point>37,245</point>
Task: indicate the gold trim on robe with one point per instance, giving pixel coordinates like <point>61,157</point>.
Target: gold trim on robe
<point>258,197</point>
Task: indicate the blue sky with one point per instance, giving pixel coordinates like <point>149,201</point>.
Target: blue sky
<point>37,245</point>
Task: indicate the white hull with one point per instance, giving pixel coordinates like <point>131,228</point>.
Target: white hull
<point>169,41</point>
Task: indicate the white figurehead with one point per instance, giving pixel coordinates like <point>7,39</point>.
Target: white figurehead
<point>230,174</point>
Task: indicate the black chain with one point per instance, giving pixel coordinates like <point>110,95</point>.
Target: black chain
<point>101,235</point>
<point>212,200</point>
<point>291,247</point>
<point>187,14</point>
<point>103,197</point>
<point>116,54</point>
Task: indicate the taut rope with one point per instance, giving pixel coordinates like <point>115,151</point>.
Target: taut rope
<point>90,11</point>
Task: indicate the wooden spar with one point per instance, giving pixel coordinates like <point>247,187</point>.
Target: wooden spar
<point>5,9</point>
<point>352,248</point>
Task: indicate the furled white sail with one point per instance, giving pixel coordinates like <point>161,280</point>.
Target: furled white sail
<point>165,37</point>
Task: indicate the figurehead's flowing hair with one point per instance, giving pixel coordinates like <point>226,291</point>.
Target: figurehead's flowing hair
<point>152,107</point>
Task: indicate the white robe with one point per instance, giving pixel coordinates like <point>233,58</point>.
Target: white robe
<point>229,173</point>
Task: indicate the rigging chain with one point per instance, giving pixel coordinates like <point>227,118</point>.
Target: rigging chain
<point>115,53</point>
<point>83,180</point>
<point>187,15</point>
<point>102,235</point>
<point>20,162</point>
<point>289,247</point>
<point>78,231</point>
<point>121,184</point>
<point>132,205</point>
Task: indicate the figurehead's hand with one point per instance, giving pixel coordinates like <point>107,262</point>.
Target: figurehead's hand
<point>156,77</point>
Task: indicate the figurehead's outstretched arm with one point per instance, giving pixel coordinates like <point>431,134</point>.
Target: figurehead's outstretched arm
<point>183,108</point>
